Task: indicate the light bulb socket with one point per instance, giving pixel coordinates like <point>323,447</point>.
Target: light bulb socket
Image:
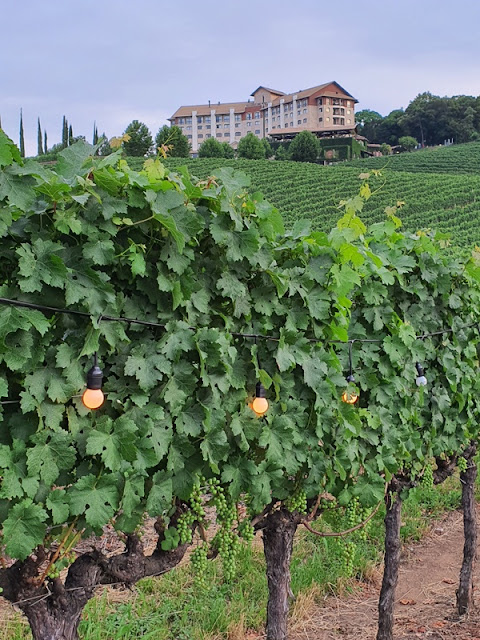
<point>260,391</point>
<point>350,378</point>
<point>419,369</point>
<point>95,378</point>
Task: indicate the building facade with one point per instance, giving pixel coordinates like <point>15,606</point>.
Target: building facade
<point>325,110</point>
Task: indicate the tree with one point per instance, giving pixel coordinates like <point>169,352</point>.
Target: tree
<point>173,138</point>
<point>228,151</point>
<point>304,147</point>
<point>64,132</point>
<point>39,139</point>
<point>268,148</point>
<point>385,149</point>
<point>251,147</point>
<point>408,143</point>
<point>95,134</point>
<point>281,153</point>
<point>71,139</point>
<point>105,149</point>
<point>368,121</point>
<point>45,146</point>
<point>22,136</point>
<point>211,148</point>
<point>140,142</point>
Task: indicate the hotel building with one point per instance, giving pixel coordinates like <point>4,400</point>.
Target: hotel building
<point>325,110</point>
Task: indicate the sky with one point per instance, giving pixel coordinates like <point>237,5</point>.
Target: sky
<point>112,61</point>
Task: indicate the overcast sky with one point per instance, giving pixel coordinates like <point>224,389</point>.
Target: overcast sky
<point>112,61</point>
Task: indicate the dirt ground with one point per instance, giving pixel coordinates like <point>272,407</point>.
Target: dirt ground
<point>425,604</point>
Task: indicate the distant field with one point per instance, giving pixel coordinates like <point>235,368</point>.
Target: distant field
<point>448,202</point>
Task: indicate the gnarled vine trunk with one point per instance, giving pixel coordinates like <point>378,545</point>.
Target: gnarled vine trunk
<point>54,609</point>
<point>465,587</point>
<point>278,545</point>
<point>392,562</point>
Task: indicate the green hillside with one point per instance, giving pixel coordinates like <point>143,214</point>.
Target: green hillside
<point>461,158</point>
<point>448,202</point>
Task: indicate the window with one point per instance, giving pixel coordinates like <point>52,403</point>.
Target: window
<point>219,135</point>
<point>257,121</point>
<point>291,115</point>
<point>219,126</point>
<point>338,111</point>
<point>285,108</point>
<point>320,109</point>
<point>348,103</point>
<point>249,124</point>
<point>238,133</point>
<point>208,135</point>
<point>200,127</point>
<point>299,122</point>
<point>188,120</point>
<point>348,112</point>
<point>274,127</point>
<point>304,102</point>
<point>266,129</point>
<point>208,119</point>
<point>257,115</point>
<point>225,135</point>
<point>226,126</point>
<point>349,121</point>
<point>189,128</point>
<point>274,119</point>
<point>298,112</point>
<point>181,120</point>
<point>218,118</point>
<point>327,109</point>
<point>290,106</point>
<point>249,116</point>
<point>327,119</point>
<point>304,120</point>
<point>237,124</point>
<point>189,136</point>
<point>200,135</point>
<point>320,119</point>
<point>238,117</point>
<point>257,132</point>
<point>209,126</point>
<point>226,118</point>
<point>304,111</point>
<point>320,101</point>
<point>286,124</point>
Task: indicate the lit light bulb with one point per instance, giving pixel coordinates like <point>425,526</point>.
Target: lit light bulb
<point>350,396</point>
<point>260,403</point>
<point>420,380</point>
<point>93,396</point>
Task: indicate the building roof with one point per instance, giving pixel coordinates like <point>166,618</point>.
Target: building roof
<point>295,130</point>
<point>205,109</point>
<point>306,93</point>
<point>278,93</point>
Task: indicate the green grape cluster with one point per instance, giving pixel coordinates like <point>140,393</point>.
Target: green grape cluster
<point>348,558</point>
<point>228,546</point>
<point>199,562</point>
<point>427,478</point>
<point>462,464</point>
<point>196,502</point>
<point>326,505</point>
<point>184,526</point>
<point>53,572</point>
<point>363,513</point>
<point>297,502</point>
<point>352,512</point>
<point>246,530</point>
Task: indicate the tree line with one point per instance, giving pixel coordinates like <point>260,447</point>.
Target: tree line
<point>429,119</point>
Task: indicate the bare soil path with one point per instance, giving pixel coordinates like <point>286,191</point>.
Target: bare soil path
<point>425,605</point>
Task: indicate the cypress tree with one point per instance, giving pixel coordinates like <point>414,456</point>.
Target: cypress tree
<point>64,132</point>
<point>95,134</point>
<point>39,139</point>
<point>45,148</point>
<point>70,135</point>
<point>0,122</point>
<point>22,138</point>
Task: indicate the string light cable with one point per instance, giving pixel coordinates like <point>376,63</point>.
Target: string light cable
<point>95,375</point>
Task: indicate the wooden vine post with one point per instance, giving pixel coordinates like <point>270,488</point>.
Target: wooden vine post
<point>467,478</point>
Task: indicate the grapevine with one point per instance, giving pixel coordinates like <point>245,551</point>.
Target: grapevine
<point>462,464</point>
<point>427,478</point>
<point>297,502</point>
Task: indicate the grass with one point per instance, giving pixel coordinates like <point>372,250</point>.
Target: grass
<point>171,608</point>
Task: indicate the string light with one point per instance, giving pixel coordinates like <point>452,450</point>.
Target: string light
<point>260,402</point>
<point>420,380</point>
<point>93,396</point>
<point>350,395</point>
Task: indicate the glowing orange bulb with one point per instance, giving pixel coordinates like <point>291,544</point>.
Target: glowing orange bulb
<point>260,406</point>
<point>350,397</point>
<point>93,398</point>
